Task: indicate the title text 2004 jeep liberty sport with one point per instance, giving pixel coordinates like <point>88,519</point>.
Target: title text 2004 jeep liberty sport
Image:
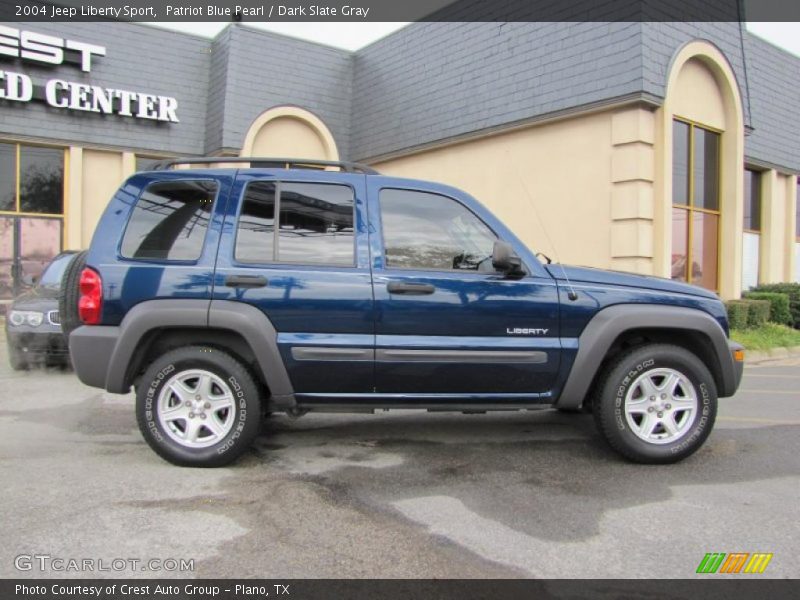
<point>222,294</point>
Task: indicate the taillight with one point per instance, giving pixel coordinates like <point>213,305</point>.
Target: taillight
<point>90,305</point>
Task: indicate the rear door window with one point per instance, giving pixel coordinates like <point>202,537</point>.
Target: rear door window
<point>170,221</point>
<point>314,225</point>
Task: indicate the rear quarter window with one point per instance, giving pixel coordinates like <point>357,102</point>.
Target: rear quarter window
<point>170,221</point>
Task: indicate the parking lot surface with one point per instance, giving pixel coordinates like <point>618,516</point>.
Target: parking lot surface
<point>399,494</point>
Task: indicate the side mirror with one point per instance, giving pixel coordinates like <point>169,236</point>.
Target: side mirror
<point>506,261</point>
<point>29,279</point>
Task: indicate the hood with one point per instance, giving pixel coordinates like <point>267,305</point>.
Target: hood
<point>623,279</point>
<point>39,298</point>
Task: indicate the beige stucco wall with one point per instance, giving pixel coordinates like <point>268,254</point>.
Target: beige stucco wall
<point>289,132</point>
<point>697,95</point>
<point>776,253</point>
<point>566,168</point>
<point>288,138</point>
<point>102,172</point>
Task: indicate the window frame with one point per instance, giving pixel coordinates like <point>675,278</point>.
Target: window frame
<point>276,231</point>
<point>691,209</point>
<point>17,184</point>
<point>760,201</point>
<point>385,262</point>
<point>797,213</point>
<point>172,261</point>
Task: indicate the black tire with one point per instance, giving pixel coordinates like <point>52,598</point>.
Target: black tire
<point>69,294</point>
<point>16,359</point>
<point>245,420</point>
<point>631,372</point>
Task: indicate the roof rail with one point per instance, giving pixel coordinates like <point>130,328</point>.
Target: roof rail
<point>267,163</point>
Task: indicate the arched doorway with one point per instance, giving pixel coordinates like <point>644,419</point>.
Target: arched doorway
<point>700,172</point>
<point>289,132</point>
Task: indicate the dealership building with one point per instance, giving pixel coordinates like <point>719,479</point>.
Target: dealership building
<point>669,149</point>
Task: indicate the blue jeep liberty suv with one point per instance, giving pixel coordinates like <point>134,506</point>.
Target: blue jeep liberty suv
<point>222,294</point>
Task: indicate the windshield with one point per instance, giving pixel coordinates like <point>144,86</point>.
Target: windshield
<point>51,277</point>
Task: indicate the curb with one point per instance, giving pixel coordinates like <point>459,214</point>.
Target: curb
<point>761,356</point>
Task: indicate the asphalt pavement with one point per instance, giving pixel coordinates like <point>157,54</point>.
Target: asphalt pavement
<point>397,494</point>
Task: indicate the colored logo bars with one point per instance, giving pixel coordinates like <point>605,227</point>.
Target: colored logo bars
<point>736,562</point>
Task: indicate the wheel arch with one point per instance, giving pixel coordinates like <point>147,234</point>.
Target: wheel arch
<point>614,329</point>
<point>155,326</point>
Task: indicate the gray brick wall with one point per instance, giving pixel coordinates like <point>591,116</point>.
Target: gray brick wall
<point>775,98</point>
<point>425,83</point>
<point>267,70</point>
<point>218,90</point>
<point>432,81</point>
<point>138,58</point>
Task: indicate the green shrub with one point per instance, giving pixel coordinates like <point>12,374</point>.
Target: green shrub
<point>778,306</point>
<point>757,313</point>
<point>790,289</point>
<point>738,311</point>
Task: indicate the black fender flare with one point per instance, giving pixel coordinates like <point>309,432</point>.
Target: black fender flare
<point>243,319</point>
<point>609,323</point>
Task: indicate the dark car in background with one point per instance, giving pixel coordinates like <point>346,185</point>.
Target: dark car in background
<point>33,326</point>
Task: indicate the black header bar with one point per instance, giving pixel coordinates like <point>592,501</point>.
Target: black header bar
<point>397,11</point>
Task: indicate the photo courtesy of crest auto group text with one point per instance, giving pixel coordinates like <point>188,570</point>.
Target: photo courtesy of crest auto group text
<point>447,298</point>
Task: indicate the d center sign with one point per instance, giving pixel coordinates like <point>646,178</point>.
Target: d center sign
<point>72,95</point>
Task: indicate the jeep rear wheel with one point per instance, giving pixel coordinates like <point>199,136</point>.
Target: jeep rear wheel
<point>198,406</point>
<point>657,404</point>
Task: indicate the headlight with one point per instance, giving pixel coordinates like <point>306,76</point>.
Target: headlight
<point>25,317</point>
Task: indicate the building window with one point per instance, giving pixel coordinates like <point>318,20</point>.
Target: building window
<point>695,204</point>
<point>314,225</point>
<point>752,201</point>
<point>751,225</point>
<point>31,212</point>
<point>797,236</point>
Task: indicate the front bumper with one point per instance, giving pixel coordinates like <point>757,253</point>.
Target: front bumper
<point>91,349</point>
<point>38,345</point>
<point>737,355</point>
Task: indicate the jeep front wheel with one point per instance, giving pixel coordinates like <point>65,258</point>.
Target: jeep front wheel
<point>657,404</point>
<point>198,406</point>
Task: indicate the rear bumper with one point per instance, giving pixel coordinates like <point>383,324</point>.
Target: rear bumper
<point>91,348</point>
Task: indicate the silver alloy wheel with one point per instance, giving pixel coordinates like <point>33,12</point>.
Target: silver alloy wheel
<point>196,408</point>
<point>661,406</point>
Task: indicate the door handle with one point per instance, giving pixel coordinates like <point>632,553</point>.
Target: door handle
<point>246,281</point>
<point>410,289</point>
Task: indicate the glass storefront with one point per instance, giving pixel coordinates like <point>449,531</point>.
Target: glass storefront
<point>31,213</point>
<point>696,204</point>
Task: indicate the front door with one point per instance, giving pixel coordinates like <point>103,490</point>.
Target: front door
<point>447,323</point>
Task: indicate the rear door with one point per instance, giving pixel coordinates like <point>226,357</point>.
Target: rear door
<point>295,247</point>
<point>447,324</point>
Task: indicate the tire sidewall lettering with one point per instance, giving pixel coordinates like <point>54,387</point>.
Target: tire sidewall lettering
<point>150,395</point>
<point>622,388</point>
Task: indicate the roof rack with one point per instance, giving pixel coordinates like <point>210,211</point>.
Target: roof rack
<point>267,163</point>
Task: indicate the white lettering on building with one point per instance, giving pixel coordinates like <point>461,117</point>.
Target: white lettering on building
<point>71,95</point>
